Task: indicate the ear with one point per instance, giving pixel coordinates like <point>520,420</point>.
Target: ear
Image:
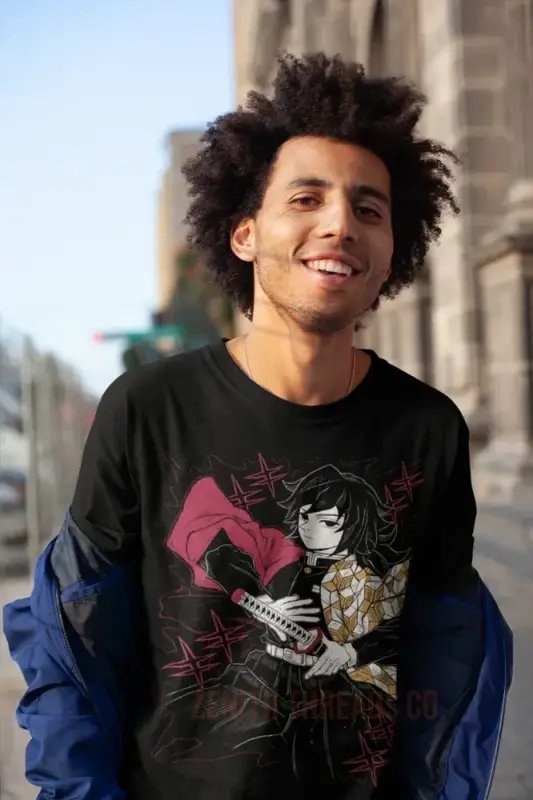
<point>243,240</point>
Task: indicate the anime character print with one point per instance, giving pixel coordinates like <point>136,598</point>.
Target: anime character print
<point>313,602</point>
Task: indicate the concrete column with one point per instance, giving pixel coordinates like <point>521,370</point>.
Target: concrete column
<point>337,37</point>
<point>504,469</point>
<point>399,330</point>
<point>455,329</point>
<point>518,217</point>
<point>270,22</point>
<point>519,66</point>
<point>321,25</point>
<point>484,141</point>
<point>408,344</point>
<point>413,348</point>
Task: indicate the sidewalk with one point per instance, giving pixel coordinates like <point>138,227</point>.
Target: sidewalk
<point>13,785</point>
<point>504,558</point>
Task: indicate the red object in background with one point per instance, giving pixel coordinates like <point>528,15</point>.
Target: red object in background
<point>89,419</point>
<point>98,337</point>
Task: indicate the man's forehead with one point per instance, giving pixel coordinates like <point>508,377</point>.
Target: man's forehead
<point>329,162</point>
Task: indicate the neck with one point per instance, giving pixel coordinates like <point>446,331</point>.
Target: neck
<point>299,367</point>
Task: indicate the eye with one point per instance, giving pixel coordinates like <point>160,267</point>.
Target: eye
<point>304,516</point>
<point>368,212</point>
<point>305,201</point>
<point>329,523</point>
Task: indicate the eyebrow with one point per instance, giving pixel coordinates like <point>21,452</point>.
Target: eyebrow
<point>362,190</point>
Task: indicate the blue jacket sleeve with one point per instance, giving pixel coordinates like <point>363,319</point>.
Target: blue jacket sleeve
<point>455,650</point>
<point>74,748</point>
<point>454,673</point>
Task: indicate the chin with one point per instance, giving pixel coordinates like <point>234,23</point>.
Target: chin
<point>325,325</point>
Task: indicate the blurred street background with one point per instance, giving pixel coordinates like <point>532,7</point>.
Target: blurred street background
<point>101,104</point>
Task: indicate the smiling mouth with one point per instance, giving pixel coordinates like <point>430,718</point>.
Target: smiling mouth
<point>332,267</point>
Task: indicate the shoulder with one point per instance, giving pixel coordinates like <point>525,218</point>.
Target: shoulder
<point>148,387</point>
<point>139,401</point>
<point>410,397</point>
<point>428,418</point>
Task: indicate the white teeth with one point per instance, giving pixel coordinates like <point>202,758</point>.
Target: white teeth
<point>330,266</point>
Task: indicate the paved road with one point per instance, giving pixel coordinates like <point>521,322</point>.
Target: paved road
<point>505,561</point>
<point>13,786</point>
<point>504,558</point>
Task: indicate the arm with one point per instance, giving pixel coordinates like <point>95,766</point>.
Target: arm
<point>369,637</point>
<point>64,636</point>
<point>443,554</point>
<point>380,646</point>
<point>230,567</point>
<point>441,635</point>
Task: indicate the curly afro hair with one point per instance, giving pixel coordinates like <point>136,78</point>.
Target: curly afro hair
<point>318,96</point>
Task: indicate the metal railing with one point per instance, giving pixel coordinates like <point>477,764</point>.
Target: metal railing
<point>45,414</point>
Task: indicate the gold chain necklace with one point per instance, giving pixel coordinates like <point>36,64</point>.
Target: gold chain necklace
<point>352,374</point>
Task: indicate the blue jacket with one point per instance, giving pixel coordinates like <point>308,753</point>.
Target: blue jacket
<point>77,642</point>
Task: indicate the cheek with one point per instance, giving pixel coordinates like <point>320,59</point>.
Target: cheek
<point>286,232</point>
<point>382,248</point>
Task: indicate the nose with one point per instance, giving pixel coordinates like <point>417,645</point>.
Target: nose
<point>339,221</point>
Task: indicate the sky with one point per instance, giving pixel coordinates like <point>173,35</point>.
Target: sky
<point>88,92</point>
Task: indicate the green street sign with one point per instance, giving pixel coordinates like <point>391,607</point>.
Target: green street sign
<point>151,334</point>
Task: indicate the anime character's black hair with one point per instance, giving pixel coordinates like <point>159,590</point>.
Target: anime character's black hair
<point>369,531</point>
<point>318,96</point>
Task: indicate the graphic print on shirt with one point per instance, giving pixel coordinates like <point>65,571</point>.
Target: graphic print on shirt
<point>300,658</point>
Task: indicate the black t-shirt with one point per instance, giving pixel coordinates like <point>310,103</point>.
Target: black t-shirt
<point>276,542</point>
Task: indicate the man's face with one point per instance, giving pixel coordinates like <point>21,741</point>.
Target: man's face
<point>321,244</point>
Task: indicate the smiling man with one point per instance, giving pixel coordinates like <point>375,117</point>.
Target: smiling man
<point>263,587</point>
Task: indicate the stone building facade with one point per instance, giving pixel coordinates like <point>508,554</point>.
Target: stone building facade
<point>467,326</point>
<point>172,205</point>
